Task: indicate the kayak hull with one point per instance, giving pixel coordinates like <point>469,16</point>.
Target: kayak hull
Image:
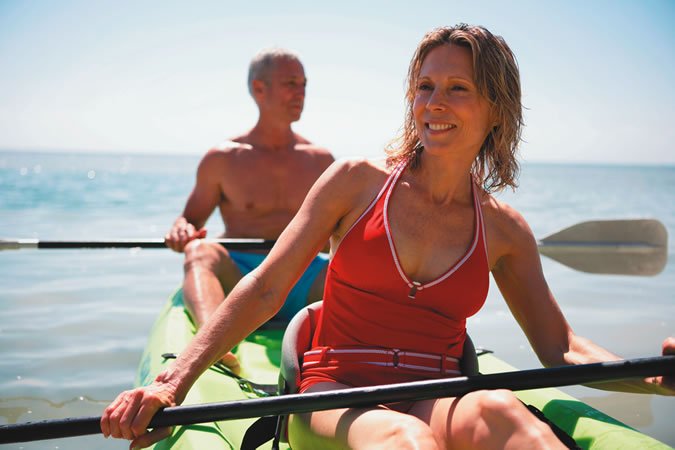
<point>259,356</point>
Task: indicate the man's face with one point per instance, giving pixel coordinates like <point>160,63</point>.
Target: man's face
<point>284,90</point>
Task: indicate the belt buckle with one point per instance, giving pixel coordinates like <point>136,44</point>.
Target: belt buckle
<point>444,369</point>
<point>395,357</point>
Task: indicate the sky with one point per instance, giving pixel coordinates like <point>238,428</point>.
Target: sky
<point>164,77</point>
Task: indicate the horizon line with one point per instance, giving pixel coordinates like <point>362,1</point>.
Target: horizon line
<point>146,152</point>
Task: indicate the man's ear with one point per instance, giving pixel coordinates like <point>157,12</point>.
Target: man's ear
<point>258,88</point>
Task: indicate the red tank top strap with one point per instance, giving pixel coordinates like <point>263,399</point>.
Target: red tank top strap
<point>390,181</point>
<point>480,227</point>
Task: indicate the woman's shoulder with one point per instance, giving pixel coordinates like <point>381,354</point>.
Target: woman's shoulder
<point>501,213</point>
<point>352,182</point>
<point>360,171</point>
<point>361,165</point>
<point>506,226</point>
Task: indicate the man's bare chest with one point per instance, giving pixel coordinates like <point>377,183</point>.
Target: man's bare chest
<point>268,188</point>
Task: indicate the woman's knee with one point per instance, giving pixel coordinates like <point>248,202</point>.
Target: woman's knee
<point>499,402</point>
<point>501,411</point>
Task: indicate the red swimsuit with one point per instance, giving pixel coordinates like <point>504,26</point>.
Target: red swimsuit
<point>379,327</point>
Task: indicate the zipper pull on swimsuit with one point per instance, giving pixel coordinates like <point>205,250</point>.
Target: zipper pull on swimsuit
<point>416,285</point>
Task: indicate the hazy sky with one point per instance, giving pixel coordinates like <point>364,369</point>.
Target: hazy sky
<point>161,76</point>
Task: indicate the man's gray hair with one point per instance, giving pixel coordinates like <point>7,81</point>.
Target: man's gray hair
<point>262,63</point>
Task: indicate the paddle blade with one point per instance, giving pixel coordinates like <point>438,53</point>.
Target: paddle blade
<point>620,247</point>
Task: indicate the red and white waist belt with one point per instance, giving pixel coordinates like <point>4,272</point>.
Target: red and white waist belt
<point>428,362</point>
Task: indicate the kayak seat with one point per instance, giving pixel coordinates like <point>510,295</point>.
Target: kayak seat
<point>298,339</point>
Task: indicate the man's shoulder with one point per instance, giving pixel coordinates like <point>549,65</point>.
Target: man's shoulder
<point>313,150</point>
<point>305,145</point>
<point>218,158</point>
<point>231,146</point>
<point>227,150</point>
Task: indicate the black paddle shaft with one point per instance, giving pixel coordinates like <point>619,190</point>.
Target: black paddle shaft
<point>231,243</point>
<point>356,397</point>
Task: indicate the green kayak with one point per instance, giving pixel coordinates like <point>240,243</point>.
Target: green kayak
<point>259,356</point>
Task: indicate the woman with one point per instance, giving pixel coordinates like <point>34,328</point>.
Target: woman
<point>413,242</point>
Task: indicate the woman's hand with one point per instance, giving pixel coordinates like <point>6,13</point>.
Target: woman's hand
<point>666,383</point>
<point>130,413</point>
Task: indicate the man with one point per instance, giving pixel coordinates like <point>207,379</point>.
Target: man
<point>258,180</point>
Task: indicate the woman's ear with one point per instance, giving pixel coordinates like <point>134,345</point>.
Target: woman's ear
<point>494,124</point>
<point>494,118</point>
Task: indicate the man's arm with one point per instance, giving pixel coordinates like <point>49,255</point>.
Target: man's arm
<point>200,204</point>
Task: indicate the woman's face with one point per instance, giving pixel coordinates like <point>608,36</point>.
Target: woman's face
<point>450,114</point>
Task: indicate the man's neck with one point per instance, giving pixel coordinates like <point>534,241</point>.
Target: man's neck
<point>272,136</point>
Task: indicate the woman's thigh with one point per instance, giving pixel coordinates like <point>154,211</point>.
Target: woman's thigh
<point>354,428</point>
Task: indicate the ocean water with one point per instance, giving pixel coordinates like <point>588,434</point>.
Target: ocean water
<point>73,323</point>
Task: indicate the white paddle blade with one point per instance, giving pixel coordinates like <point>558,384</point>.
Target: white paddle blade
<point>16,244</point>
<point>620,247</point>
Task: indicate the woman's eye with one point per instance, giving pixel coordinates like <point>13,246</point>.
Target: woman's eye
<point>424,87</point>
<point>458,88</point>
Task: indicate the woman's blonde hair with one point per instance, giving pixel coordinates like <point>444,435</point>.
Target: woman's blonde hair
<point>498,80</point>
